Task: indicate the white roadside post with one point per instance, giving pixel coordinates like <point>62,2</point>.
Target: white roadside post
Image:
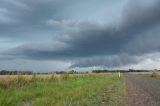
<point>119,74</point>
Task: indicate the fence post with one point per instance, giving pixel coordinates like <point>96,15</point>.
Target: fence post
<point>119,74</point>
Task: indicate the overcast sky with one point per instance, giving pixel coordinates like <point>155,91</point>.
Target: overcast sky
<point>45,35</point>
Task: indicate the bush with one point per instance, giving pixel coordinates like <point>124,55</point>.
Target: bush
<point>154,74</point>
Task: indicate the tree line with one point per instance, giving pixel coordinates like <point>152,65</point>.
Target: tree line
<point>123,71</point>
<point>5,72</point>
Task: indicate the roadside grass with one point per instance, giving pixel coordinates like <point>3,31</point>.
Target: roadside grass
<point>66,90</point>
<point>150,74</point>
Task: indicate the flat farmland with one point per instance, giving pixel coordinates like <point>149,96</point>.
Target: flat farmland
<point>62,90</point>
<point>101,89</point>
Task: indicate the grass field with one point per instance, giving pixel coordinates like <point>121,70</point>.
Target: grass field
<point>63,90</point>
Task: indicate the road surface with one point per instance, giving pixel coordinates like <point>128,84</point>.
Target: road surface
<point>142,91</point>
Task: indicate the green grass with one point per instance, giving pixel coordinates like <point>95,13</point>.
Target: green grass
<point>88,90</point>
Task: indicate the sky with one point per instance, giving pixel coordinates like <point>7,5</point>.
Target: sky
<point>51,35</point>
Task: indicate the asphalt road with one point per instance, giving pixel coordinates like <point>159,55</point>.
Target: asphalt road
<point>142,91</point>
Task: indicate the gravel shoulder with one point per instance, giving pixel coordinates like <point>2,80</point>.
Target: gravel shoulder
<point>142,91</point>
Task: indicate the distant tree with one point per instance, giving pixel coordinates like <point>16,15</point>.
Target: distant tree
<point>72,72</point>
<point>131,70</point>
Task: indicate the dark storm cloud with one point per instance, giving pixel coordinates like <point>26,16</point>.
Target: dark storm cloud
<point>135,34</point>
<point>139,22</point>
<point>21,17</point>
<point>107,61</point>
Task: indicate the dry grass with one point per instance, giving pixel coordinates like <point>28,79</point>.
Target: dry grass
<point>155,74</point>
<point>60,90</point>
<point>147,74</point>
<point>8,81</point>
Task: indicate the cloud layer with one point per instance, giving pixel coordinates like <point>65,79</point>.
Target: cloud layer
<point>44,31</point>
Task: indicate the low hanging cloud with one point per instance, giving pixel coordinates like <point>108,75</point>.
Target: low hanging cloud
<point>122,43</point>
<point>107,61</point>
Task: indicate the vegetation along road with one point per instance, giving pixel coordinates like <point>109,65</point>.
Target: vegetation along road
<point>92,89</point>
<point>61,90</point>
<point>142,91</point>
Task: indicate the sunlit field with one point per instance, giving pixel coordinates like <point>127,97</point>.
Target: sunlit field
<point>62,90</point>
